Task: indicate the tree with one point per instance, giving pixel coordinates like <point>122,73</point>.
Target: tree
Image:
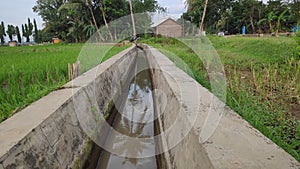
<point>89,4</point>
<point>27,30</point>
<point>59,15</point>
<point>23,30</point>
<point>207,12</point>
<point>104,19</point>
<point>140,6</point>
<point>132,18</point>
<point>203,16</point>
<point>280,18</point>
<point>249,10</point>
<point>36,32</point>
<point>2,33</point>
<point>11,32</point>
<point>62,17</point>
<point>89,29</point>
<point>26,33</point>
<point>231,15</point>
<point>18,34</point>
<point>294,15</point>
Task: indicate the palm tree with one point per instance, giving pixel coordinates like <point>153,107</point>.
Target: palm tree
<point>89,4</point>
<point>11,32</point>
<point>201,25</point>
<point>18,34</point>
<point>2,33</point>
<point>191,5</point>
<point>104,19</point>
<point>72,5</point>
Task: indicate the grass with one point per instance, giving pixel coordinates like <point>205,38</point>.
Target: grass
<point>271,71</point>
<point>263,77</point>
<point>245,51</point>
<point>28,73</point>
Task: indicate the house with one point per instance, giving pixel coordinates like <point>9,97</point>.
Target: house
<point>167,27</point>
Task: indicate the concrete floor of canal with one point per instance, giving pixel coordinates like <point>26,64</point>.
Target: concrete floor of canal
<point>136,120</point>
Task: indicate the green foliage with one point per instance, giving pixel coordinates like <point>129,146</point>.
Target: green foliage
<point>11,31</point>
<point>258,17</point>
<point>18,34</point>
<point>115,9</point>
<point>27,32</point>
<point>146,6</point>
<point>280,18</point>
<point>74,20</point>
<point>37,38</point>
<point>2,33</point>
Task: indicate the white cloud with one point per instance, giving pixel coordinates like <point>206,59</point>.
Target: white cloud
<point>175,8</point>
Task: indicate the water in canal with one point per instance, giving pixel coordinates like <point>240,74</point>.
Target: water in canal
<point>136,120</point>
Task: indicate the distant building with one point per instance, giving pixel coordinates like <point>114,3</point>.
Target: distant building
<point>168,27</point>
<point>56,40</point>
<point>13,43</point>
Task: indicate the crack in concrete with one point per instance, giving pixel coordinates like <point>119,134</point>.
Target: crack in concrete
<point>59,130</point>
<point>50,146</point>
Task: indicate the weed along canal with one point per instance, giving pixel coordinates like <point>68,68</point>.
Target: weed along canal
<point>133,117</point>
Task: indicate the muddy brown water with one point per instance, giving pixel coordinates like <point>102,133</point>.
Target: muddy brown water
<point>135,119</point>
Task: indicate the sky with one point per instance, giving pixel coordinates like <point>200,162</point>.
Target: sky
<point>16,12</point>
<point>174,7</point>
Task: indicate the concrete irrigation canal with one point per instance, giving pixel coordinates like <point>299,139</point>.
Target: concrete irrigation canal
<point>136,121</point>
<point>136,110</point>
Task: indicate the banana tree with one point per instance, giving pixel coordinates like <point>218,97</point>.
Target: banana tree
<point>260,23</point>
<point>280,18</point>
<point>271,18</point>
